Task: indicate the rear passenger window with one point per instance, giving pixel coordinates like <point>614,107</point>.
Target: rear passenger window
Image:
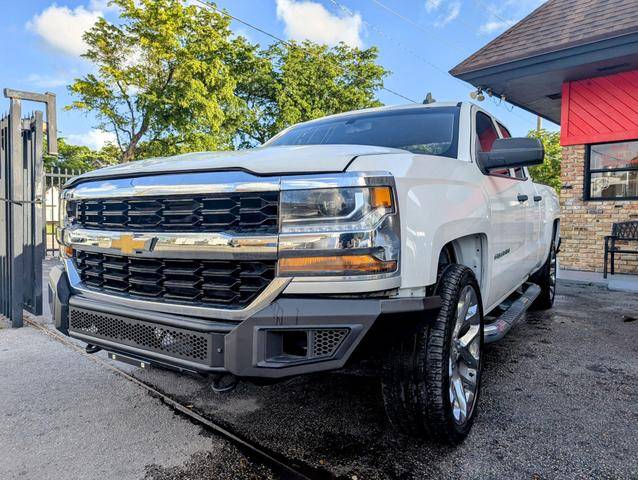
<point>520,173</point>
<point>485,132</point>
<point>504,131</point>
<point>485,135</point>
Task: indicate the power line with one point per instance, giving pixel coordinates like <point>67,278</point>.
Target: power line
<point>413,23</point>
<point>414,54</point>
<point>493,12</point>
<point>392,39</point>
<point>243,22</point>
<point>399,95</point>
<point>379,31</point>
<point>460,19</point>
<point>279,39</point>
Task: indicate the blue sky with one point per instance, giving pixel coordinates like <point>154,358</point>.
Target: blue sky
<point>42,44</point>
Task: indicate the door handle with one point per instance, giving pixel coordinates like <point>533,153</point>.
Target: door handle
<point>537,198</point>
<point>522,198</point>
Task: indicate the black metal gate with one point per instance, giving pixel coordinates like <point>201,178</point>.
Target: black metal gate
<point>21,215</point>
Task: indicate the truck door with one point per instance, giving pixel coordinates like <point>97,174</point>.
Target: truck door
<point>540,203</point>
<point>532,218</point>
<point>507,250</point>
<point>528,197</point>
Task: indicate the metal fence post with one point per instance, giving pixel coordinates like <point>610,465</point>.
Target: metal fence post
<point>16,239</point>
<point>34,228</point>
<point>4,219</point>
<point>21,213</point>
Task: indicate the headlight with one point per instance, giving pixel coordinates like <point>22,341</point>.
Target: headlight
<point>62,213</point>
<point>66,214</point>
<point>66,217</point>
<point>344,232</point>
<point>334,209</point>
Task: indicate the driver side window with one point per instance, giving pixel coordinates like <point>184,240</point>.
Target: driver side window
<point>485,135</point>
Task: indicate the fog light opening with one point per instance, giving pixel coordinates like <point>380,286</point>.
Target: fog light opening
<point>295,344</point>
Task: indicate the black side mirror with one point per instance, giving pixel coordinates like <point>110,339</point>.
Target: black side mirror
<point>511,153</point>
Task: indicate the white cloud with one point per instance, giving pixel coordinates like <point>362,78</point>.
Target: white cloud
<point>432,5</point>
<point>495,25</point>
<point>48,81</point>
<point>94,139</point>
<point>62,28</point>
<point>453,11</point>
<point>101,5</point>
<point>445,12</point>
<point>502,15</point>
<point>310,20</point>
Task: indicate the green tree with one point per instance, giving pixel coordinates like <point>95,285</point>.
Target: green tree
<point>549,172</point>
<point>295,82</point>
<point>171,78</point>
<point>163,81</point>
<point>81,158</point>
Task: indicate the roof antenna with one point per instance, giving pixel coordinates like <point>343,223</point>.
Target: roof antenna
<point>429,98</point>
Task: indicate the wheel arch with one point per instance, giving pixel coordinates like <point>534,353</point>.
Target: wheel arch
<point>470,251</point>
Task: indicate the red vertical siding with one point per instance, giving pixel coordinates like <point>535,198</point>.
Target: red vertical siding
<point>601,109</point>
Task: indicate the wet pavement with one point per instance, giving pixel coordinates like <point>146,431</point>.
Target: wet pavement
<point>559,400</point>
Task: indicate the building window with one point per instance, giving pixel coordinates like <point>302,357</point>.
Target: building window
<point>612,171</point>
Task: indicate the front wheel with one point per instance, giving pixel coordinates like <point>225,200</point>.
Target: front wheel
<point>432,377</point>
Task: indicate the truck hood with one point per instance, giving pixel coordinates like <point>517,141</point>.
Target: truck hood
<point>261,161</point>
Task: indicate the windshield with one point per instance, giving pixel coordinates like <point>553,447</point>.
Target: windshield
<point>432,131</point>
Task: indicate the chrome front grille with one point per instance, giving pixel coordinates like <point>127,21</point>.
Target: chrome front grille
<point>245,212</point>
<point>212,283</point>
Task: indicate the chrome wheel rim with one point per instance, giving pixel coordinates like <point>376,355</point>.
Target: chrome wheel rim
<point>552,274</point>
<point>465,355</point>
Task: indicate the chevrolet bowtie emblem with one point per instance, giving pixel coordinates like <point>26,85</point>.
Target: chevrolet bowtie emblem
<point>127,244</point>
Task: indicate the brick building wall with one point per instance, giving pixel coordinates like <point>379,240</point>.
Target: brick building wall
<point>585,224</point>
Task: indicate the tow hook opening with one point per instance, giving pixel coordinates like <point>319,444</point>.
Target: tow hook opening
<point>224,382</point>
<point>295,344</point>
<point>91,349</point>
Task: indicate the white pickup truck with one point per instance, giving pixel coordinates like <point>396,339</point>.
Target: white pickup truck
<point>413,233</point>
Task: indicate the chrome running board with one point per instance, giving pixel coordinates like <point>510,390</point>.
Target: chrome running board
<point>499,326</point>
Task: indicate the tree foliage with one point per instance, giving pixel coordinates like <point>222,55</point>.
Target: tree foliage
<point>296,82</point>
<point>162,77</point>
<point>81,158</point>
<point>549,172</point>
<point>172,78</point>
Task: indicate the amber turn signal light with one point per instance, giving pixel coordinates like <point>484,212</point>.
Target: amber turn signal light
<point>381,197</point>
<point>338,265</point>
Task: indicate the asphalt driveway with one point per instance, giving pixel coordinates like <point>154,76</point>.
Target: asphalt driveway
<point>559,400</point>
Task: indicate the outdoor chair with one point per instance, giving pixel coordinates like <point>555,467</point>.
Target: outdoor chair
<point>624,232</point>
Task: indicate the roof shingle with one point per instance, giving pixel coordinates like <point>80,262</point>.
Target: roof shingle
<point>556,25</point>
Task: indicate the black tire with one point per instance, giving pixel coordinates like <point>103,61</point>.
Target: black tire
<point>417,373</point>
<point>546,279</point>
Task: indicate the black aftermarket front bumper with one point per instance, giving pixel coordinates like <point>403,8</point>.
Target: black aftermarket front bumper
<point>291,336</point>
